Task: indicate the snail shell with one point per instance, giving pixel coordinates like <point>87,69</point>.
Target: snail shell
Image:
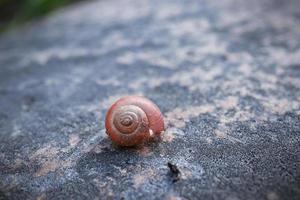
<point>132,119</point>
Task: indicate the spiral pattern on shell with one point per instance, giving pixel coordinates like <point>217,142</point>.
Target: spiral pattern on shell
<point>132,119</point>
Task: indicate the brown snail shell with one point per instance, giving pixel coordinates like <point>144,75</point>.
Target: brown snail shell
<point>131,120</point>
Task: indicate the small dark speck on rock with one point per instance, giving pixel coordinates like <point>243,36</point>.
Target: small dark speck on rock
<point>175,173</point>
<point>28,101</point>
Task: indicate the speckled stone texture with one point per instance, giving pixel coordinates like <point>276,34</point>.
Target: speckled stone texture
<point>226,75</point>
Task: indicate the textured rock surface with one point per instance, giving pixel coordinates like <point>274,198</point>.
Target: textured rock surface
<point>226,75</point>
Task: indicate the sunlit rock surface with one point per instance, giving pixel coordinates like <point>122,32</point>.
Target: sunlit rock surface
<point>226,75</point>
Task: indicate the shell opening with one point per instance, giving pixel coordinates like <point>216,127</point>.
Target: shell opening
<point>151,132</point>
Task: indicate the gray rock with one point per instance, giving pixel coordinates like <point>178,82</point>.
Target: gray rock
<point>226,75</point>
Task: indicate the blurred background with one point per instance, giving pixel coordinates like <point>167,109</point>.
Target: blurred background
<point>17,12</point>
